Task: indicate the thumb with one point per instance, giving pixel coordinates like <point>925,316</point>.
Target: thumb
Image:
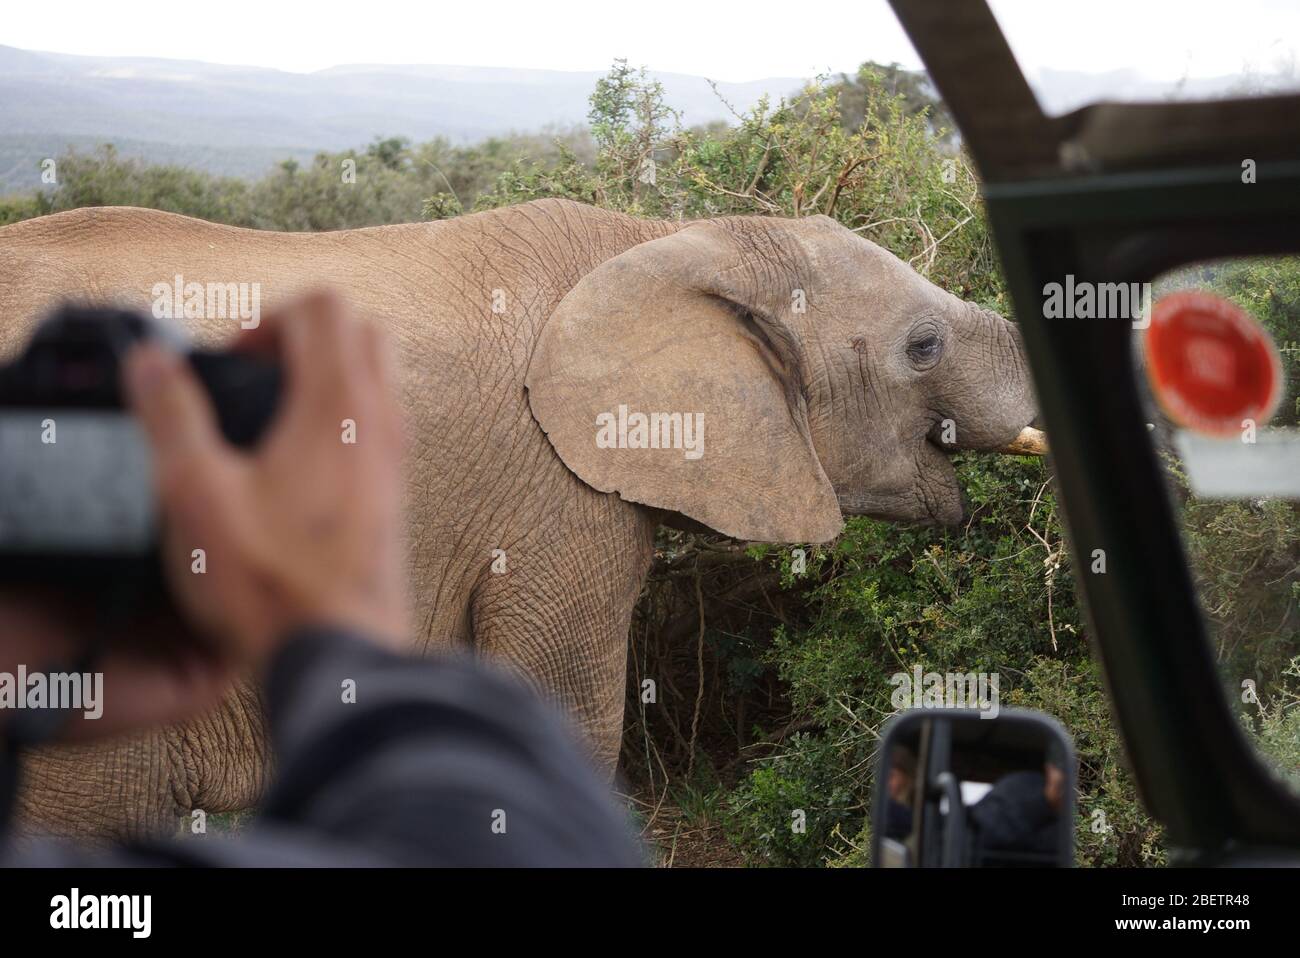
<point>169,401</point>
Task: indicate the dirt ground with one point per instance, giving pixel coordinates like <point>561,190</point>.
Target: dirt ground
<point>678,841</point>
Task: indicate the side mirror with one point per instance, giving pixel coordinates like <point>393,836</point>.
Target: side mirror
<point>958,789</point>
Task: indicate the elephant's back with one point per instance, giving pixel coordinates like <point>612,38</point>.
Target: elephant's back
<point>126,256</point>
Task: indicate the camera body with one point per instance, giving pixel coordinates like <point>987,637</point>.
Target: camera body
<point>77,505</point>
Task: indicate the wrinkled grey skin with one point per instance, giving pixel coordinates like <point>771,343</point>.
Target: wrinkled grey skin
<point>833,408</point>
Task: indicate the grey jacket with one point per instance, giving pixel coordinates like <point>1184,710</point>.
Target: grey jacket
<point>436,763</point>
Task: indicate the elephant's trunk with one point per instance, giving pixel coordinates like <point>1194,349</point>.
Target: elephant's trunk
<point>1030,442</point>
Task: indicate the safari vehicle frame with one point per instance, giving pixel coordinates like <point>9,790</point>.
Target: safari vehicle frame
<point>1119,193</point>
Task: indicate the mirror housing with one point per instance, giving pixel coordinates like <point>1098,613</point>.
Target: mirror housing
<point>955,788</point>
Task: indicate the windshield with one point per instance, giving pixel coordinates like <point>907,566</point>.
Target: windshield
<point>1077,54</point>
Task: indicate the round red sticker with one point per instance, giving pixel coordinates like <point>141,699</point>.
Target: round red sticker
<point>1211,366</point>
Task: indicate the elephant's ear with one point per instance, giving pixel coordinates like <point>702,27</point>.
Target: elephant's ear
<point>663,378</point>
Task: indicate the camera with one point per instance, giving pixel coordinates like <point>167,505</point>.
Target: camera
<point>77,505</point>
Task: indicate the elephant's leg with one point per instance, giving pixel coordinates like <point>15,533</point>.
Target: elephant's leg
<point>559,614</point>
<point>142,784</point>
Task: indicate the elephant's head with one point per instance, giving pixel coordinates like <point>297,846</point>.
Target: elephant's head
<point>787,372</point>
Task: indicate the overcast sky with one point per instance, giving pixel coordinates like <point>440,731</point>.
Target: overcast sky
<point>720,39</point>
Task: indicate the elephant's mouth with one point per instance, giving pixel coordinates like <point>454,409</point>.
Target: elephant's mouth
<point>933,494</point>
<point>941,497</point>
<point>935,437</point>
<point>1030,441</point>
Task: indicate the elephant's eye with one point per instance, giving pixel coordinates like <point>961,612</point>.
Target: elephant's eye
<point>925,350</point>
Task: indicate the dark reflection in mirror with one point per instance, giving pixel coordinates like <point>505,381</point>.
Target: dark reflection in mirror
<point>956,790</point>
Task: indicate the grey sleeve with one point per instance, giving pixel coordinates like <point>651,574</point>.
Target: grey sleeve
<point>385,760</point>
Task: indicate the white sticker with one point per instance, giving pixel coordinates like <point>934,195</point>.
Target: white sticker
<point>1232,469</point>
<point>88,491</point>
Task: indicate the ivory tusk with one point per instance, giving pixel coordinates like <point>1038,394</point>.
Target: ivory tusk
<point>1030,442</point>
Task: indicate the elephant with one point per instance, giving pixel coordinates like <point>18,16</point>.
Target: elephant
<point>572,379</point>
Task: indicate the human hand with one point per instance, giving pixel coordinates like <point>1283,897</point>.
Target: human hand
<point>303,530</point>
<point>1054,787</point>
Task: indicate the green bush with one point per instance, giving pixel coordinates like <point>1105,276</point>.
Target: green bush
<point>390,181</point>
<point>792,809</point>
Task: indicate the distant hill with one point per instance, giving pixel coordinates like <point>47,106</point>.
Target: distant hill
<point>239,120</point>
